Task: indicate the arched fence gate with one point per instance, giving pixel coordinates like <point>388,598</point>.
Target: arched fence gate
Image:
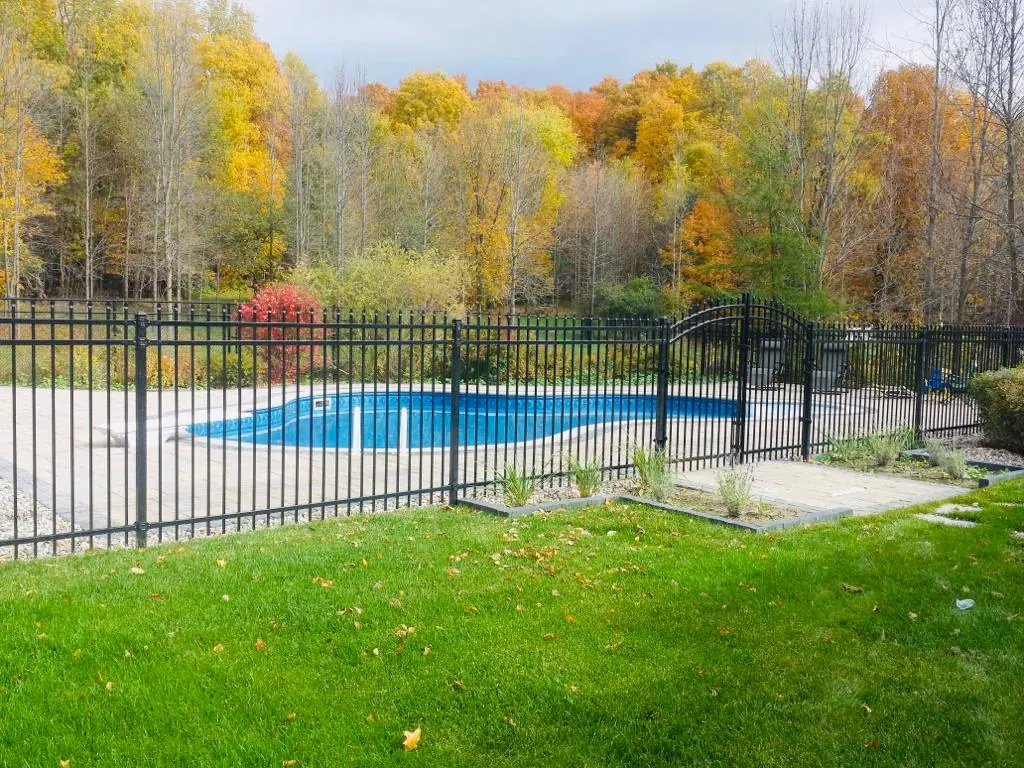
<point>760,363</point>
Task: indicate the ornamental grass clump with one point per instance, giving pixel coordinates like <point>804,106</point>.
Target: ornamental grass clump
<point>586,475</point>
<point>516,486</point>
<point>652,472</point>
<point>734,488</point>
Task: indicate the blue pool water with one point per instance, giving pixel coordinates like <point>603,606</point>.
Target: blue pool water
<point>327,421</point>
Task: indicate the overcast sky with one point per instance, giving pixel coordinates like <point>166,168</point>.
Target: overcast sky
<point>536,42</point>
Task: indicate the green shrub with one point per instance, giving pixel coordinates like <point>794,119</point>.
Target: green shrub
<point>1000,398</point>
<point>639,297</point>
<point>587,476</point>
<point>386,277</point>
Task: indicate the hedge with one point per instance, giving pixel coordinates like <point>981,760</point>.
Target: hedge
<point>1000,398</point>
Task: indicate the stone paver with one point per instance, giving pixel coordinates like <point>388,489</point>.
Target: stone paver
<point>815,485</point>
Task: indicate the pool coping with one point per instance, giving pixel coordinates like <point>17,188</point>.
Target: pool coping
<point>815,515</point>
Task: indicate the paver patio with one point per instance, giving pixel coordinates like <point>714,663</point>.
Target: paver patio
<point>824,487</point>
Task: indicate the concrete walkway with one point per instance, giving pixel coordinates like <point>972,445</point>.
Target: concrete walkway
<point>823,487</point>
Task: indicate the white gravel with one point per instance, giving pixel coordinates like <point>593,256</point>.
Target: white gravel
<point>45,525</point>
<point>37,520</point>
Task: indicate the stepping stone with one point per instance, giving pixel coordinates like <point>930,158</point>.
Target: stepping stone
<point>947,509</point>
<point>947,521</point>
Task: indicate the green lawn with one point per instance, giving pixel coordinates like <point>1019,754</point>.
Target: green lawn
<point>614,635</point>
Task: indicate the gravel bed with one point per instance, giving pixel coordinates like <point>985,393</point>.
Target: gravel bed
<point>44,520</point>
<point>184,532</point>
<point>975,449</point>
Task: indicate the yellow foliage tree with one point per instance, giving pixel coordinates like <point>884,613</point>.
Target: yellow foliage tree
<point>429,98</point>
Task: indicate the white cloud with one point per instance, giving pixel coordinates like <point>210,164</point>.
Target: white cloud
<point>534,42</point>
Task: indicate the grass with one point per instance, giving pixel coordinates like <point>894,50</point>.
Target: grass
<point>607,636</point>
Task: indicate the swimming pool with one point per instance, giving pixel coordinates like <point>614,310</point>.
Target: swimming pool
<point>423,419</point>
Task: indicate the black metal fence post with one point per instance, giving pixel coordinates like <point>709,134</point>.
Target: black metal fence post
<point>739,440</point>
<point>453,439</point>
<point>921,381</point>
<point>1005,353</point>
<point>661,406</point>
<point>141,344</point>
<point>808,410</point>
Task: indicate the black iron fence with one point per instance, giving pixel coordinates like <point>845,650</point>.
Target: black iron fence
<point>122,427</point>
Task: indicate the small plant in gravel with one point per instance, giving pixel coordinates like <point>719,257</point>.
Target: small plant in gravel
<point>516,486</point>
<point>734,488</point>
<point>587,476</point>
<point>653,479</point>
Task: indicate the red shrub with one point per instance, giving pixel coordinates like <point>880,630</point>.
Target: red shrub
<point>292,317</point>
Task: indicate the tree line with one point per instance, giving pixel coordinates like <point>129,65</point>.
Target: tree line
<point>158,148</point>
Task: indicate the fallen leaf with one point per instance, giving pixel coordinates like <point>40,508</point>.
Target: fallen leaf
<point>866,709</point>
<point>155,596</point>
<point>65,764</point>
<point>458,685</point>
<point>454,571</point>
<point>291,717</point>
<point>324,583</point>
<point>260,645</point>
<point>470,609</point>
<point>288,763</point>
<point>550,636</point>
<point>913,616</point>
<point>372,718</point>
<point>137,571</point>
<point>110,685</point>
<point>222,563</point>
<point>218,648</point>
<point>876,744</point>
<point>426,650</point>
<point>570,619</point>
<point>412,739</point>
<point>225,598</point>
<point>852,589</point>
<point>997,595</point>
